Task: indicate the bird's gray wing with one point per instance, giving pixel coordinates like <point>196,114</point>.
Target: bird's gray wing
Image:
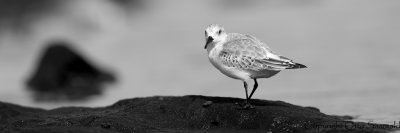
<point>238,36</point>
<point>248,54</point>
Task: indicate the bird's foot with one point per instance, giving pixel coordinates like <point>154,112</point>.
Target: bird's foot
<point>246,105</point>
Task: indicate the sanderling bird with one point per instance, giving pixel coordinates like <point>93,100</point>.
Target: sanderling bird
<point>244,57</point>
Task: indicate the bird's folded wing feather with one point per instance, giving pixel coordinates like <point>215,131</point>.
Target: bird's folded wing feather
<point>250,54</point>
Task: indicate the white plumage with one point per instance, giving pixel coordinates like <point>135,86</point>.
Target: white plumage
<point>243,57</point>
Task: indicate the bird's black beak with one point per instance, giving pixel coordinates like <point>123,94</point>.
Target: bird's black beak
<point>209,40</point>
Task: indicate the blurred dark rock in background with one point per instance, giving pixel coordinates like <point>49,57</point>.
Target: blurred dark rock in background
<point>63,74</point>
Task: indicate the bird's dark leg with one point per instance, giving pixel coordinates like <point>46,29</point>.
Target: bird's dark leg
<point>254,88</point>
<point>246,105</point>
<point>245,89</point>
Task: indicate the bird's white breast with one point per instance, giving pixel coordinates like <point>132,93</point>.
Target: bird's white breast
<point>232,72</point>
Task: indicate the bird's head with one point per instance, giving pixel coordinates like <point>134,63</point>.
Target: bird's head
<point>214,34</point>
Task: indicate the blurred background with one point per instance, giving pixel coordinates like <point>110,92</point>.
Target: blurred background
<point>152,47</point>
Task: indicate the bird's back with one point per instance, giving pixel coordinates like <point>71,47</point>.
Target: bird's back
<point>248,53</point>
<point>257,42</point>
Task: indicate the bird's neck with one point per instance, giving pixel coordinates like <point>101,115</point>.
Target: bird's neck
<point>214,49</point>
<point>210,47</point>
<point>214,45</point>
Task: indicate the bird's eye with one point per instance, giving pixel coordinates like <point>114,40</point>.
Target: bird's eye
<point>219,32</point>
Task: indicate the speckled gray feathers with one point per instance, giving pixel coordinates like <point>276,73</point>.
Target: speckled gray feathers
<point>248,53</point>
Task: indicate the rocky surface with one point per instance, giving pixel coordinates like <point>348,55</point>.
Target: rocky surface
<point>179,114</point>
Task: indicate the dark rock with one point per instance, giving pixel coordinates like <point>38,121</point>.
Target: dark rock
<point>313,108</point>
<point>63,73</point>
<point>178,114</point>
<point>207,103</point>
